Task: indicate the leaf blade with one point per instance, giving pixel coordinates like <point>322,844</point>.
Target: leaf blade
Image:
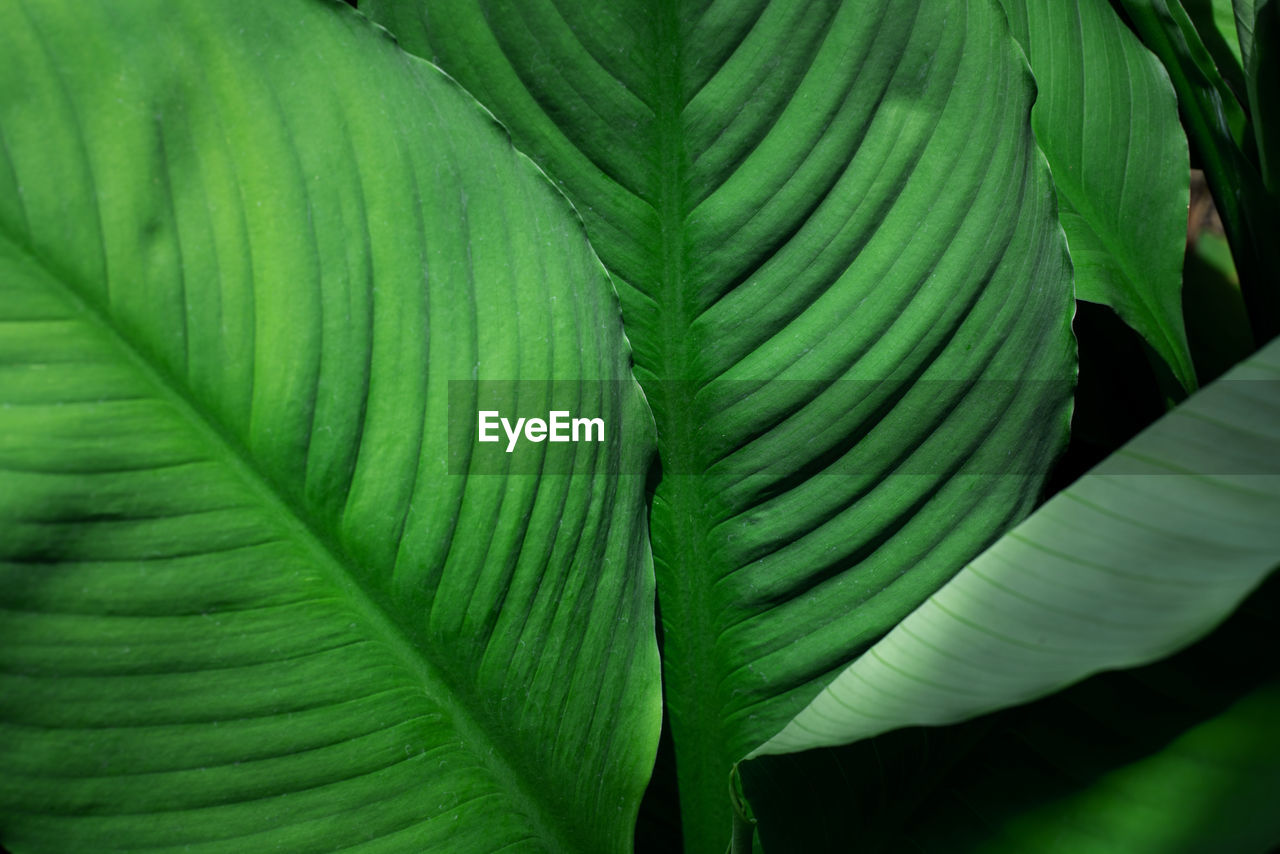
<point>1135,560</point>
<point>785,225</point>
<point>1107,119</point>
<point>1218,126</point>
<point>213,396</point>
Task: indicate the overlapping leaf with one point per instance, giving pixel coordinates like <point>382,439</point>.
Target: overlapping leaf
<point>1232,145</point>
<point>1107,120</point>
<point>1208,788</point>
<point>849,298</point>
<point>1262,73</point>
<point>1134,560</point>
<point>243,605</point>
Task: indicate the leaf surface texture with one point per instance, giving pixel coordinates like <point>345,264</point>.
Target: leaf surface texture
<point>246,253</point>
<point>849,297</point>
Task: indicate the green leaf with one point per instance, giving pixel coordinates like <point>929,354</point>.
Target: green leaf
<point>1178,756</point>
<point>1138,558</point>
<point>849,297</point>
<point>1245,12</point>
<point>1247,30</point>
<point>246,253</point>
<point>1215,21</point>
<point>1106,118</point>
<point>1263,80</point>
<point>1227,143</point>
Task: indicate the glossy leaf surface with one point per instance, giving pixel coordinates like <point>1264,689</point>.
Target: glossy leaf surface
<point>244,606</point>
<point>849,297</point>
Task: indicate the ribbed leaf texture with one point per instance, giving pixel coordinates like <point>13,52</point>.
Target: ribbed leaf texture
<point>244,606</point>
<point>842,271</point>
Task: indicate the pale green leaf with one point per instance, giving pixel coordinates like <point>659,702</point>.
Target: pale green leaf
<point>244,605</point>
<point>1107,120</point>
<point>1133,561</point>
<point>842,272</point>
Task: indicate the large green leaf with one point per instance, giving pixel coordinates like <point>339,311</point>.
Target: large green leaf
<point>244,250</point>
<point>841,269</point>
<point>1136,559</point>
<point>1107,120</point>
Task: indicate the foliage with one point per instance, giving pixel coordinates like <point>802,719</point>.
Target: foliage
<point>259,261</point>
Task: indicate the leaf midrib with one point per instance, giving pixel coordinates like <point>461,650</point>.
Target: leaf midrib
<point>326,551</point>
<point>695,714</point>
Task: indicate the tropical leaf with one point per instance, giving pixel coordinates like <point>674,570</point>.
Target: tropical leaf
<point>1178,756</point>
<point>1106,118</point>
<point>1138,558</point>
<point>1226,139</point>
<point>248,252</point>
<point>849,297</point>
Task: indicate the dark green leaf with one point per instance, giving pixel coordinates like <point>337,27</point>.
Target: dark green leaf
<point>1221,133</point>
<point>1215,21</point>
<point>1244,14</point>
<point>1217,324</point>
<point>1263,78</point>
